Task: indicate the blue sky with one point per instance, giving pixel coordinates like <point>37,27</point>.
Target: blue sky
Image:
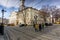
<point>13,5</point>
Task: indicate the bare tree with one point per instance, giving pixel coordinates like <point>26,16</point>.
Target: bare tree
<point>50,10</point>
<point>44,15</point>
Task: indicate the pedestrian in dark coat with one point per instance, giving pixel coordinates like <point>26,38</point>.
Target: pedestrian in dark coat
<point>40,27</point>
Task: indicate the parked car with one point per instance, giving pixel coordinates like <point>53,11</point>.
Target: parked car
<point>48,24</point>
<point>1,29</point>
<point>57,22</point>
<point>21,25</point>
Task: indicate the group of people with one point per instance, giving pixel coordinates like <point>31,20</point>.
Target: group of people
<point>39,27</point>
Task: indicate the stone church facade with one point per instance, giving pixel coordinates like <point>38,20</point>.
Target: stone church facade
<point>26,16</point>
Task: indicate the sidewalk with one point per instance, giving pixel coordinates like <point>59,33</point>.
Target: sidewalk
<point>1,37</point>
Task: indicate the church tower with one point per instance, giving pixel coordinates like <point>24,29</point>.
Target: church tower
<point>22,4</point>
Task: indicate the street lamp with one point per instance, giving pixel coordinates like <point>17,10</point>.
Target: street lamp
<point>2,25</point>
<point>3,15</point>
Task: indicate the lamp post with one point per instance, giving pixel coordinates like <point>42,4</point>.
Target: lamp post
<point>2,25</point>
<point>3,15</point>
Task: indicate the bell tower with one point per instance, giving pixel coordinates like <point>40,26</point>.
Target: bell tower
<point>22,4</point>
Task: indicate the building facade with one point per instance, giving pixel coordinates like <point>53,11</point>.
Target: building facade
<point>13,18</point>
<point>26,16</point>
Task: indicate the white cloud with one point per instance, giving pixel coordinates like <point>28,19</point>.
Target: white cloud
<point>10,3</point>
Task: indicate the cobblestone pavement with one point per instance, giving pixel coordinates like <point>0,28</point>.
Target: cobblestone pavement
<point>28,33</point>
<point>1,37</point>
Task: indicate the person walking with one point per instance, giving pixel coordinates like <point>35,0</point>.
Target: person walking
<point>40,27</point>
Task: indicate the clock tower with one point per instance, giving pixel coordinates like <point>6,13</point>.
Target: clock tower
<point>22,4</point>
